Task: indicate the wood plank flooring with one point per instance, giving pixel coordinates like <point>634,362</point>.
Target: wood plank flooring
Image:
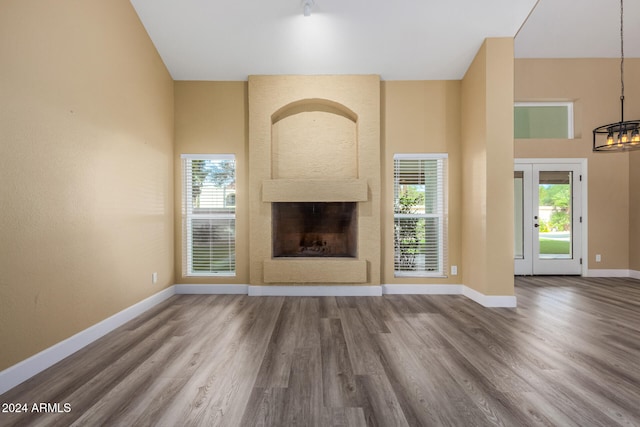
<point>569,355</point>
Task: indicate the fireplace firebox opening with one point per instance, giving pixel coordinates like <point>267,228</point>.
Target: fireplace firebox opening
<point>314,229</point>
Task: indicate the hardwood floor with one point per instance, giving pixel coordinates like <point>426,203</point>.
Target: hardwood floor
<point>569,355</point>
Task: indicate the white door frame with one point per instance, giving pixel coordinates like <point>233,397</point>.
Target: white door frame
<point>558,265</point>
<point>583,200</point>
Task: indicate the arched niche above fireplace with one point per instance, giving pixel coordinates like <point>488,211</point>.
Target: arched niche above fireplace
<point>314,104</point>
<point>314,139</point>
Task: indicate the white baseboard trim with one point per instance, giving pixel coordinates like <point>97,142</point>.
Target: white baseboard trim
<point>315,291</point>
<point>422,289</point>
<point>634,274</point>
<point>506,301</point>
<point>22,371</point>
<point>610,273</point>
<point>211,289</point>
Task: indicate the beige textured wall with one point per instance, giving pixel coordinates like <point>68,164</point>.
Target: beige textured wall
<point>474,171</point>
<point>421,117</point>
<point>594,86</point>
<point>211,118</point>
<point>314,145</point>
<point>634,211</point>
<point>86,205</point>
<point>499,205</point>
<point>487,169</point>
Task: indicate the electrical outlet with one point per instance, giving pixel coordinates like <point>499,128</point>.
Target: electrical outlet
<point>454,270</point>
<point>598,257</point>
<point>154,278</point>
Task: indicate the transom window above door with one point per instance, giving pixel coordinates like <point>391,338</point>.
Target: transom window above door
<point>543,120</point>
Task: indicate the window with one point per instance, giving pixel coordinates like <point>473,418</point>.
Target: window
<point>209,215</point>
<point>419,214</point>
<point>544,120</point>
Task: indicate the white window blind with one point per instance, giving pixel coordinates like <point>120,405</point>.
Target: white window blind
<point>419,214</point>
<point>209,215</point>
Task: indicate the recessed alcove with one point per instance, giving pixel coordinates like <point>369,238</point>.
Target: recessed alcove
<point>314,139</point>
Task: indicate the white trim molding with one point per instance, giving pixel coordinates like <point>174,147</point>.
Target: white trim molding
<point>315,291</point>
<point>22,371</point>
<point>614,273</point>
<point>400,289</point>
<point>492,301</point>
<point>212,289</point>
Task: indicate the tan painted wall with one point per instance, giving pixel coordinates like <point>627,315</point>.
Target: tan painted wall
<point>86,201</point>
<point>499,110</point>
<point>634,211</point>
<point>594,86</point>
<point>487,169</point>
<point>211,118</point>
<point>474,171</point>
<point>421,117</point>
<point>417,116</point>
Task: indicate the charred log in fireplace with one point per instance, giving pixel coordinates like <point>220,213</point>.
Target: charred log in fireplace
<point>314,229</point>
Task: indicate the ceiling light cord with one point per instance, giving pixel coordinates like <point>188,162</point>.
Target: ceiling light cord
<point>622,60</point>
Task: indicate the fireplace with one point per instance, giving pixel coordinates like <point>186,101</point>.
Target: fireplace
<point>314,180</point>
<point>314,229</point>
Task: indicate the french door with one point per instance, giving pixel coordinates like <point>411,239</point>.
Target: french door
<point>548,229</point>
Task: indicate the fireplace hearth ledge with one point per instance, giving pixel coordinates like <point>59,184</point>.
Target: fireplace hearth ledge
<point>314,270</point>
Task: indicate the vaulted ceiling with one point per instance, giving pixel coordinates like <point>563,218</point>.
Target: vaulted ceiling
<point>400,39</point>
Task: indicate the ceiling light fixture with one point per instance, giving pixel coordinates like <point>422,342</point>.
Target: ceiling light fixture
<point>621,136</point>
<point>306,7</point>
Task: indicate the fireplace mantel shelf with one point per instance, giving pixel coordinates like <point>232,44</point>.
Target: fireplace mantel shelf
<point>314,190</point>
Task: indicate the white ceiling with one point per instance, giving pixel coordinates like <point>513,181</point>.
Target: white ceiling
<point>580,29</point>
<point>399,40</point>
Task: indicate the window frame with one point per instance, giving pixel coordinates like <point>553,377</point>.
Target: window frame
<point>441,214</point>
<point>188,216</point>
<point>570,114</point>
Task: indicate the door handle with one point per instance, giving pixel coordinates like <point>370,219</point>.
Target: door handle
<point>536,225</point>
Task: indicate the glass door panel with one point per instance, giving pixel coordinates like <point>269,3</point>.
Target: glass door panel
<point>523,219</point>
<point>554,222</point>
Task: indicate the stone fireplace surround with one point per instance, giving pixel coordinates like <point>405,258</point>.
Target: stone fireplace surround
<point>314,139</point>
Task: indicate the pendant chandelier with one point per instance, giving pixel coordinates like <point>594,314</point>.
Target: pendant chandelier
<point>623,135</point>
